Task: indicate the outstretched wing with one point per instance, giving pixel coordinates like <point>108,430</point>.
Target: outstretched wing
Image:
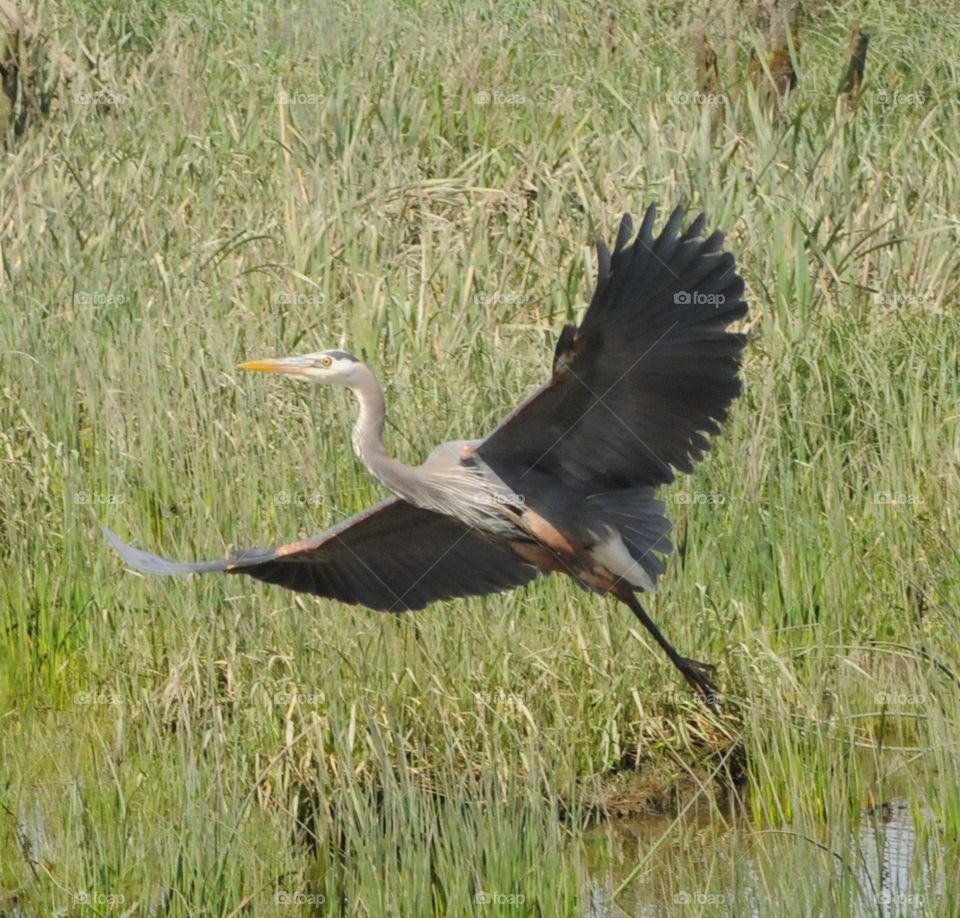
<point>650,372</point>
<point>392,556</point>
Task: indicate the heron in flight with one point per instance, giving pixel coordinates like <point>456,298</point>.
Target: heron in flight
<point>566,482</point>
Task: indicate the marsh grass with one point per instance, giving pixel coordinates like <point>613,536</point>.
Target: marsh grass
<point>420,184</point>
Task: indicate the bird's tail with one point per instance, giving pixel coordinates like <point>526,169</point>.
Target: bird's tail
<point>638,517</point>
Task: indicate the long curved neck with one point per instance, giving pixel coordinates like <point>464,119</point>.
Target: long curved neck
<point>368,436</point>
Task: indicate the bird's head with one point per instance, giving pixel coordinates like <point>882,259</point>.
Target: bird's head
<point>335,368</point>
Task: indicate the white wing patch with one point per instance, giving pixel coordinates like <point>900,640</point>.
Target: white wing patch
<point>612,553</point>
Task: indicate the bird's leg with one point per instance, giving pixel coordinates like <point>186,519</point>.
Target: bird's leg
<point>695,672</point>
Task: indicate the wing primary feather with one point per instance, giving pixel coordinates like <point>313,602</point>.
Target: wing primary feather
<point>603,263</point>
<point>652,372</point>
<point>148,563</point>
<point>624,234</point>
<point>695,229</point>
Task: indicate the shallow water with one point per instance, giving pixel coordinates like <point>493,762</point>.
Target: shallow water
<point>717,864</point>
<point>888,842</point>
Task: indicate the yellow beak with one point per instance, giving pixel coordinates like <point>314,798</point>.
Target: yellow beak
<point>292,366</point>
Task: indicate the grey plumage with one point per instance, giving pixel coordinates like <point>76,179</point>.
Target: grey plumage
<point>566,482</point>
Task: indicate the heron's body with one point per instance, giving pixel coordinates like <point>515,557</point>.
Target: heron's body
<point>566,483</point>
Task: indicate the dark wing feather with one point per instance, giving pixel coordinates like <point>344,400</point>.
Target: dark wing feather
<point>392,556</point>
<point>648,375</point>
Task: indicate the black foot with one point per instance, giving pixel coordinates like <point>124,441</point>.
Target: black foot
<point>698,675</point>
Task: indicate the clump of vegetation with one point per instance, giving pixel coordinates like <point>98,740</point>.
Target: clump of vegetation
<point>422,186</point>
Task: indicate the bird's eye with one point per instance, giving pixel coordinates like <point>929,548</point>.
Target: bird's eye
<point>326,361</point>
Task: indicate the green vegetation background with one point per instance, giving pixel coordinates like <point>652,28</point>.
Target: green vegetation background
<point>420,184</point>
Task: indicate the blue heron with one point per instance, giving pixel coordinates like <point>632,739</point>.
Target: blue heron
<point>566,483</point>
